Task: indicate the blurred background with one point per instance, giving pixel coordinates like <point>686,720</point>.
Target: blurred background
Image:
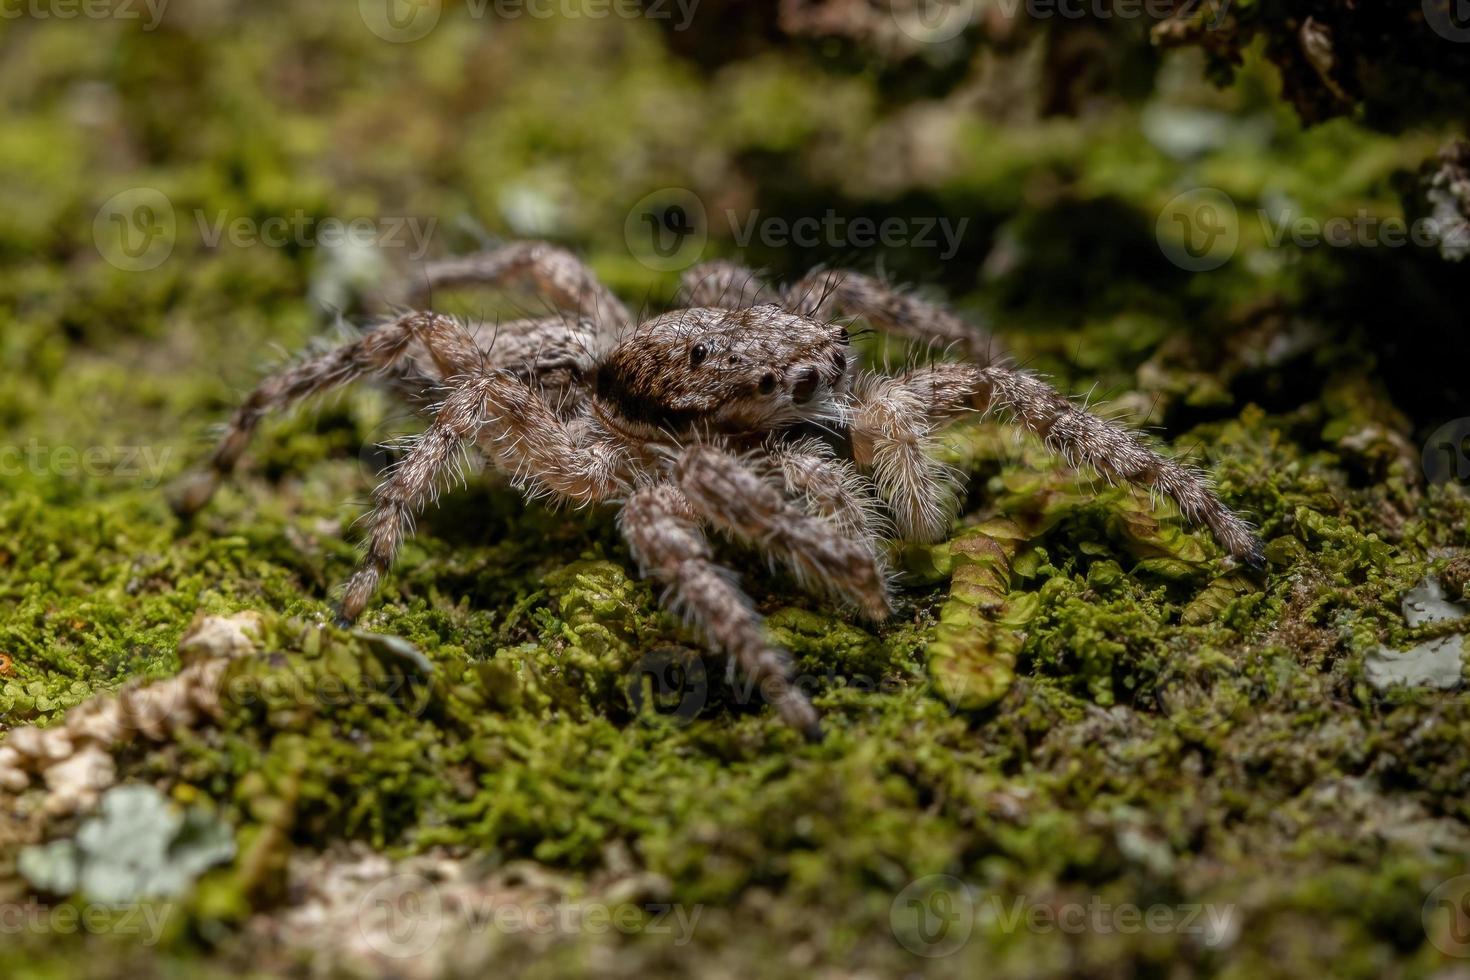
<point>1240,224</point>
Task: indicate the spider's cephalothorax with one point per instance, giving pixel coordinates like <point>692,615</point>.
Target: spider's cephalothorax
<point>742,412</point>
<point>738,372</point>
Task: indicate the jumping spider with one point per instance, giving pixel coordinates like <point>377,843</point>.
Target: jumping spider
<point>744,412</point>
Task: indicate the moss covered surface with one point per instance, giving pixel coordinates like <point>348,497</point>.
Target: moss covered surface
<point>1078,704</point>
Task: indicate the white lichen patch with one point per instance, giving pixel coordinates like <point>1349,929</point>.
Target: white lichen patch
<point>1435,663</point>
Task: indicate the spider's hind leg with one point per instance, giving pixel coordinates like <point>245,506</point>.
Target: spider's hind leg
<point>725,285</point>
<point>825,294</point>
<point>387,350</point>
<point>511,423</point>
<point>554,273</point>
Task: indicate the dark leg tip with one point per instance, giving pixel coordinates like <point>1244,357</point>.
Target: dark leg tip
<point>192,492</point>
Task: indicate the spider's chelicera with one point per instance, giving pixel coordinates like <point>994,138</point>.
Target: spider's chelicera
<point>743,412</point>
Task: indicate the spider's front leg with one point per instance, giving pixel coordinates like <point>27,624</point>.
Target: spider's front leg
<point>898,414</point>
<point>664,534</point>
<point>509,421</point>
<point>725,492</point>
<point>553,272</point>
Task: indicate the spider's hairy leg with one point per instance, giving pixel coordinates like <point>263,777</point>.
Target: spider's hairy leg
<point>1084,439</point>
<point>727,285</point>
<point>553,272</point>
<point>892,427</point>
<point>825,294</point>
<point>511,422</point>
<point>383,350</point>
<point>832,488</point>
<point>664,535</point>
<point>734,499</point>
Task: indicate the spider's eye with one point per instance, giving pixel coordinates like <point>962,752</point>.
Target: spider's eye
<point>697,355</point>
<point>768,383</point>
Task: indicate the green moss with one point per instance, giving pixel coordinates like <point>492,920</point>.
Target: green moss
<point>1077,700</point>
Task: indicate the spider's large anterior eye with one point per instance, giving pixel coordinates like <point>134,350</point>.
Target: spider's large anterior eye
<point>697,355</point>
<point>768,383</point>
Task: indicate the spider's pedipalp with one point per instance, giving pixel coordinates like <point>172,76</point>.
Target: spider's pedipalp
<point>725,492</point>
<point>664,535</point>
<point>892,437</point>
